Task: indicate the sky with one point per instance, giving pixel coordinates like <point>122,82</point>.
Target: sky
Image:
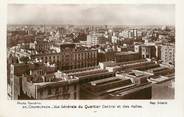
<point>92,14</point>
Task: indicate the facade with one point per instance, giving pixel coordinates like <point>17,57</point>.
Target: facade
<point>106,56</point>
<point>14,87</point>
<point>137,48</point>
<point>127,56</point>
<point>42,45</point>
<point>92,40</point>
<point>148,51</point>
<point>37,81</point>
<point>133,34</point>
<point>158,51</point>
<point>124,34</point>
<point>168,54</point>
<point>62,89</point>
<point>114,39</point>
<point>96,38</point>
<point>70,57</point>
<point>17,70</point>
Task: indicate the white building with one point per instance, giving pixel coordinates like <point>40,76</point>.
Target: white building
<point>114,39</point>
<point>92,39</point>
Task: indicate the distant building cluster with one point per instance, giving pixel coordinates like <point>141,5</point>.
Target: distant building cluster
<point>88,62</point>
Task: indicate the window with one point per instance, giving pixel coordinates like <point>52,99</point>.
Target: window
<point>75,95</point>
<point>57,90</point>
<point>75,87</point>
<point>49,91</point>
<point>66,96</point>
<point>65,88</point>
<point>41,93</point>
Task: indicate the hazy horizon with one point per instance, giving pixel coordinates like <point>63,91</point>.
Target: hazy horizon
<point>91,14</point>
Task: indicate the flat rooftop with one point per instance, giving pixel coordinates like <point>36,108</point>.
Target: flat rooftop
<point>128,62</point>
<point>130,90</point>
<point>55,84</point>
<point>127,53</point>
<point>87,72</point>
<point>106,80</point>
<point>80,69</point>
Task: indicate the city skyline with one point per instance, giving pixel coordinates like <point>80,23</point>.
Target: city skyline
<point>90,51</point>
<point>96,14</point>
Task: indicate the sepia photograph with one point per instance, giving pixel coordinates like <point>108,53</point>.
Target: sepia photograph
<point>90,51</point>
